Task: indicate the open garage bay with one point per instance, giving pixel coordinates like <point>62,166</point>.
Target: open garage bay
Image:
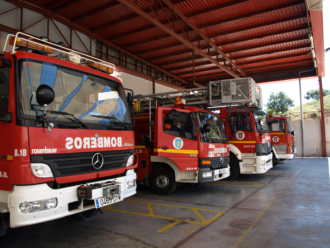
<point>286,207</point>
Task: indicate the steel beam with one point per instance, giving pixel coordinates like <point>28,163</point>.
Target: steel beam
<point>240,64</point>
<point>192,14</point>
<point>197,30</point>
<point>175,35</point>
<point>127,18</point>
<point>90,34</point>
<point>221,75</point>
<point>237,40</point>
<point>255,67</point>
<point>94,11</point>
<point>242,49</point>
<point>235,58</point>
<point>65,5</point>
<point>232,31</point>
<point>324,145</point>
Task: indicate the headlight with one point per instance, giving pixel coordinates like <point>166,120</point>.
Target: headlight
<point>131,184</point>
<point>36,206</point>
<point>207,174</point>
<point>41,170</point>
<point>130,160</point>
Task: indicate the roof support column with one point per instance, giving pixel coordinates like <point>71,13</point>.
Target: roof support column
<point>302,119</point>
<point>324,147</point>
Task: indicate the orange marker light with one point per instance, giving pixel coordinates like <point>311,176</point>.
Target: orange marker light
<point>206,162</point>
<point>30,44</point>
<point>178,100</point>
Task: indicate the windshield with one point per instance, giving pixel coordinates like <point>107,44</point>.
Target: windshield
<point>217,133</point>
<point>85,96</point>
<point>260,115</point>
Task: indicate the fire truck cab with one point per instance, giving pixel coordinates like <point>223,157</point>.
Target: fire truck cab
<point>249,140</point>
<point>67,142</point>
<point>282,138</point>
<point>178,143</point>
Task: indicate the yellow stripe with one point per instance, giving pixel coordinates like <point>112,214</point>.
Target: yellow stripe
<point>249,142</point>
<point>177,151</point>
<point>142,117</point>
<point>169,226</point>
<point>277,133</point>
<point>140,146</point>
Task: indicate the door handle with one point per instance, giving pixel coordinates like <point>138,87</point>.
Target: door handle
<point>163,147</point>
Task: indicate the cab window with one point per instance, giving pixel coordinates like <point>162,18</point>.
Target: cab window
<point>241,121</point>
<point>178,125</point>
<point>276,126</point>
<point>4,90</point>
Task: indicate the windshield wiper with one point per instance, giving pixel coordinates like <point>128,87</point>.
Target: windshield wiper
<point>112,118</point>
<point>65,115</point>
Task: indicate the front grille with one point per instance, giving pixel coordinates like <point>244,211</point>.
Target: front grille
<point>264,149</point>
<point>70,164</point>
<point>215,163</point>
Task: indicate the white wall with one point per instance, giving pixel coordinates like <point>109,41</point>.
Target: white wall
<point>141,85</point>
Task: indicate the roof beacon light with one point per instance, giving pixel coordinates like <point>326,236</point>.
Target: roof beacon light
<point>30,44</point>
<point>75,58</point>
<point>99,66</point>
<point>178,100</point>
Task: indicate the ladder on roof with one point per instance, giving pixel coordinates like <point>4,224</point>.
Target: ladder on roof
<point>216,93</point>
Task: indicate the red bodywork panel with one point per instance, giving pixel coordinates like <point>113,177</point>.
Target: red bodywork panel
<point>247,144</point>
<point>186,157</point>
<point>280,138</point>
<point>19,142</point>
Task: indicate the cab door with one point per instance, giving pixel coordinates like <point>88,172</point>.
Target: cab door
<point>174,137</point>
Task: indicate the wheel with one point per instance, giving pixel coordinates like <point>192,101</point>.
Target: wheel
<point>275,160</point>
<point>162,181</point>
<point>234,167</point>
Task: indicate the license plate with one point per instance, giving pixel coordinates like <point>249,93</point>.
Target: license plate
<point>102,202</point>
<point>220,171</point>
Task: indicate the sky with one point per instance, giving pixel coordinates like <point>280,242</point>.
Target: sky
<point>291,88</point>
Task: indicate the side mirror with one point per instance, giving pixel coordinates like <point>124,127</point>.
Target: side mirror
<point>45,95</point>
<point>8,117</point>
<point>293,133</point>
<point>206,128</point>
<point>129,101</point>
<point>262,122</point>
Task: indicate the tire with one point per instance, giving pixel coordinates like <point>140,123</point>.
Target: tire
<point>275,160</point>
<point>234,167</point>
<point>162,181</point>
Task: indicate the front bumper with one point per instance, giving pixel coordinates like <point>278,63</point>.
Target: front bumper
<point>215,174</point>
<point>285,156</point>
<point>264,163</point>
<point>64,196</point>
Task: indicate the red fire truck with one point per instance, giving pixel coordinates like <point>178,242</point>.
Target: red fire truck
<point>282,138</point>
<point>246,128</point>
<point>177,142</point>
<point>67,137</point>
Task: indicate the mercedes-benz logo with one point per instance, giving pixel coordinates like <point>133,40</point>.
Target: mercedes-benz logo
<point>221,158</point>
<point>97,161</point>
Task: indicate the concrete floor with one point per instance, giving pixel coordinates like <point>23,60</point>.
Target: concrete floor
<point>286,207</point>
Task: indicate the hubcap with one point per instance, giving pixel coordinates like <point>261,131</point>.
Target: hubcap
<point>162,181</point>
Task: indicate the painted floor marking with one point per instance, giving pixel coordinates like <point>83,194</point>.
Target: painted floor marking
<point>203,221</point>
<point>241,184</point>
<point>265,209</point>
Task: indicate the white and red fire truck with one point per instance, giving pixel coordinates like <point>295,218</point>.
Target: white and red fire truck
<point>67,141</point>
<point>246,128</point>
<point>282,137</point>
<point>178,142</point>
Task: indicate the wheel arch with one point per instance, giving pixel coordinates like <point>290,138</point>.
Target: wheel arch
<point>169,162</point>
<point>234,150</point>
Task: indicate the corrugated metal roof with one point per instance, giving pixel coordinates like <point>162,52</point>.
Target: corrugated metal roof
<point>252,33</point>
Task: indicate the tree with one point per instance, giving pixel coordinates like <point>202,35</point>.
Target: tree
<point>315,94</point>
<point>279,102</point>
